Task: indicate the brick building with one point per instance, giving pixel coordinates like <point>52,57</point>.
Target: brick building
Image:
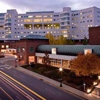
<point>25,47</point>
<point>94,35</point>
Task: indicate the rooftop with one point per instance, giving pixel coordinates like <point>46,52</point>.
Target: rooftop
<point>34,37</point>
<point>69,49</point>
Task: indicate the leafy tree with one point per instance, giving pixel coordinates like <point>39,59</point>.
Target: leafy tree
<point>85,41</point>
<point>71,42</point>
<point>85,65</point>
<point>60,40</point>
<point>50,37</point>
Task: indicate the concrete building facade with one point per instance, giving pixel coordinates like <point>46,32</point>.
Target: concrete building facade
<point>69,23</point>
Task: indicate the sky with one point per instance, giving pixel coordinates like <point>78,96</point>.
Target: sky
<point>23,6</point>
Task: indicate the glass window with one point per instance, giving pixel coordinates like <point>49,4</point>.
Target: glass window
<point>18,49</point>
<point>7,46</point>
<point>37,20</point>
<point>38,16</point>
<point>2,46</point>
<point>31,49</point>
<point>47,20</point>
<point>23,49</point>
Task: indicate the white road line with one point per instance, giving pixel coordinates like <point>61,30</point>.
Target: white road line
<point>50,90</point>
<point>1,68</point>
<point>18,98</point>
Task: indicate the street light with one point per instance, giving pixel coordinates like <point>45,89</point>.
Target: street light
<point>15,61</point>
<point>84,85</point>
<point>60,69</point>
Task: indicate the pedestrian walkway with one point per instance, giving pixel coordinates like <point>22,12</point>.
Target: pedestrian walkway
<point>55,83</point>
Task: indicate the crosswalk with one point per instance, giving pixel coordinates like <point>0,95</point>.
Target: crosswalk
<point>4,66</point>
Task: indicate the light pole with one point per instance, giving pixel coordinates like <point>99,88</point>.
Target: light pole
<point>60,69</point>
<point>15,61</point>
<point>84,85</point>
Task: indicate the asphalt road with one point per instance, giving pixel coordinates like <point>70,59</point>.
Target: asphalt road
<point>38,86</point>
<point>10,92</point>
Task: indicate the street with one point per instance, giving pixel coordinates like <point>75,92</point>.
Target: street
<point>35,88</point>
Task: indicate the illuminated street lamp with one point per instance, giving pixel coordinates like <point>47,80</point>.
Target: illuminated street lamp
<point>60,69</point>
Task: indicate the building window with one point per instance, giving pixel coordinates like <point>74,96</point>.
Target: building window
<point>47,20</point>
<point>37,20</point>
<point>38,16</point>
<point>31,49</point>
<point>7,46</point>
<point>18,49</point>
<point>23,49</point>
<point>30,16</point>
<point>2,46</point>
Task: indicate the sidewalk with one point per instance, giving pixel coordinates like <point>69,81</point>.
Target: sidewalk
<point>55,83</point>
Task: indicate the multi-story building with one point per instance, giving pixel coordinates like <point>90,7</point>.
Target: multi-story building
<point>2,26</point>
<point>69,23</point>
<point>37,23</point>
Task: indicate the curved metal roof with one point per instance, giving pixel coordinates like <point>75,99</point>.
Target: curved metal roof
<point>68,49</point>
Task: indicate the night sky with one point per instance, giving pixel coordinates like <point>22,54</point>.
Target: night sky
<point>23,6</point>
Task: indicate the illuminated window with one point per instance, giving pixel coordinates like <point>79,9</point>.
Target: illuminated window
<point>9,15</point>
<point>19,16</point>
<point>47,20</point>
<point>30,16</point>
<point>9,32</point>
<point>38,16</point>
<point>3,36</point>
<point>7,46</point>
<point>37,20</point>
<point>45,16</point>
<point>2,46</point>
<point>21,24</point>
<point>27,20</point>
<point>18,24</point>
<point>23,49</point>
<point>18,36</point>
<point>89,16</point>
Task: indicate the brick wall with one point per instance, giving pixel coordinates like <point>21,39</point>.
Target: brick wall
<point>94,35</point>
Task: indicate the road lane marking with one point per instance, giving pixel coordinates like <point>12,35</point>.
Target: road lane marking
<point>49,90</point>
<point>22,76</point>
<point>18,98</point>
<point>2,68</point>
<point>23,86</point>
<point>6,93</point>
<point>17,88</point>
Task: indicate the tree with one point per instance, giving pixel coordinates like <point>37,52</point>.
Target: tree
<point>46,59</point>
<point>85,65</point>
<point>85,41</point>
<point>50,37</point>
<point>60,40</point>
